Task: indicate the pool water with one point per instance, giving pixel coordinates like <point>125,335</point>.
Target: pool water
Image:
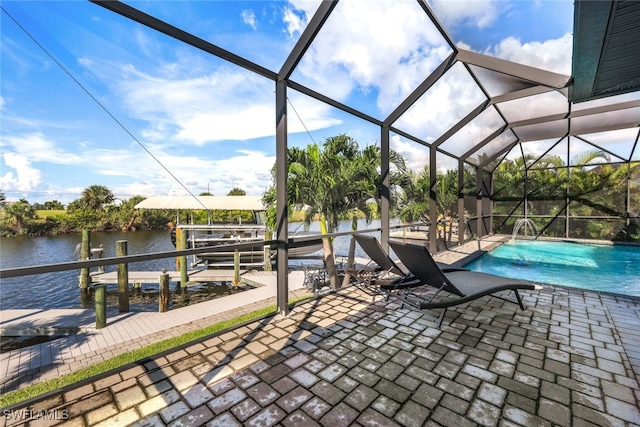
<point>610,268</point>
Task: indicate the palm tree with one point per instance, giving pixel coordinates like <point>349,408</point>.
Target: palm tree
<point>329,183</point>
<point>237,192</point>
<point>413,201</point>
<point>96,196</point>
<point>595,188</point>
<point>53,205</point>
<point>17,215</point>
<point>415,198</point>
<point>316,185</point>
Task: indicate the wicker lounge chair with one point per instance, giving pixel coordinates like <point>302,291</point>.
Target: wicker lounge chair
<point>387,276</point>
<point>465,285</point>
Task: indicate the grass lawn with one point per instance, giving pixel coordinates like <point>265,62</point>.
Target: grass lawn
<point>44,213</point>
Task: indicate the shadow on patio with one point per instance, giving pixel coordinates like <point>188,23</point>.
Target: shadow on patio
<point>572,358</point>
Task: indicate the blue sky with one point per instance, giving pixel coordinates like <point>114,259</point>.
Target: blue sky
<point>88,97</point>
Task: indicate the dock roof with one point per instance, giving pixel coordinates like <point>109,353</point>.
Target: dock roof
<point>248,203</point>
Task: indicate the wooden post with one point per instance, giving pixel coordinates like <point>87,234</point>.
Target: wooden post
<point>137,289</point>
<point>85,298</point>
<point>267,258</point>
<point>267,252</point>
<point>99,253</point>
<point>123,278</point>
<point>236,268</point>
<point>181,243</point>
<point>178,242</point>
<point>164,292</point>
<point>101,306</point>
<point>85,251</point>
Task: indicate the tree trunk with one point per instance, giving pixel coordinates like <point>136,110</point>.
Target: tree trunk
<point>352,252</point>
<point>329,256</point>
<point>130,224</point>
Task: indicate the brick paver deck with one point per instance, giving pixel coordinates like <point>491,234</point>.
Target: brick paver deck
<point>572,358</point>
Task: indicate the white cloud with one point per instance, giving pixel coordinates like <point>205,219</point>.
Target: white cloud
<point>447,102</point>
<point>249,18</point>
<point>181,102</point>
<point>477,13</point>
<point>456,94</point>
<point>544,104</point>
<point>552,55</point>
<point>37,148</point>
<point>416,156</point>
<point>224,106</point>
<point>294,22</point>
<point>308,114</point>
<point>249,170</point>
<point>387,47</point>
<point>386,50</point>
<point>26,177</point>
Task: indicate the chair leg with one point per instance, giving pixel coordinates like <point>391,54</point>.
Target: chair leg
<point>441,317</point>
<point>519,299</point>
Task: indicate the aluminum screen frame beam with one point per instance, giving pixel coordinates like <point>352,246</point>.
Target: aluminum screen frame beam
<point>420,90</point>
<point>178,34</point>
<point>306,38</point>
<point>524,72</point>
<point>332,102</point>
<point>282,167</point>
<point>484,142</point>
<point>282,216</point>
<point>462,123</point>
<point>385,190</point>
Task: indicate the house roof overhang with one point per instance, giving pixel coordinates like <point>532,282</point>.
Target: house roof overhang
<point>606,49</point>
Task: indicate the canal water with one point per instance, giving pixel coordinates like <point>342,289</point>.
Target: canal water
<point>60,290</point>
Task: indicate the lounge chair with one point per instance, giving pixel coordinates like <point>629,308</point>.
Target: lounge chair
<point>387,276</point>
<point>379,270</point>
<point>465,285</point>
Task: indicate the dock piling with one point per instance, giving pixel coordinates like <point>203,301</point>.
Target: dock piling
<point>236,269</point>
<point>85,252</point>
<point>163,297</point>
<point>267,253</point>
<point>123,278</point>
<point>99,253</point>
<point>181,243</point>
<point>101,306</point>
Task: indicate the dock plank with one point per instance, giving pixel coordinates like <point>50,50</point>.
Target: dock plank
<point>198,276</point>
<point>135,277</point>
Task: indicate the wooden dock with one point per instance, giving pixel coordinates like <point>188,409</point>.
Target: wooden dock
<point>72,321</point>
<point>194,276</point>
<point>66,321</point>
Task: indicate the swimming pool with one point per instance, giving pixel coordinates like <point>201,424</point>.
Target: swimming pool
<point>610,268</point>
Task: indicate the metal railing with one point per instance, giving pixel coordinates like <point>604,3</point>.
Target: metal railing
<point>293,242</point>
<point>100,263</point>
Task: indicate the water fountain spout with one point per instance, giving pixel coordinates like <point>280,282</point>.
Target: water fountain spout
<point>528,228</point>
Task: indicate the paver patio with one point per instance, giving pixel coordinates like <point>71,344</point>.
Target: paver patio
<point>572,358</point>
